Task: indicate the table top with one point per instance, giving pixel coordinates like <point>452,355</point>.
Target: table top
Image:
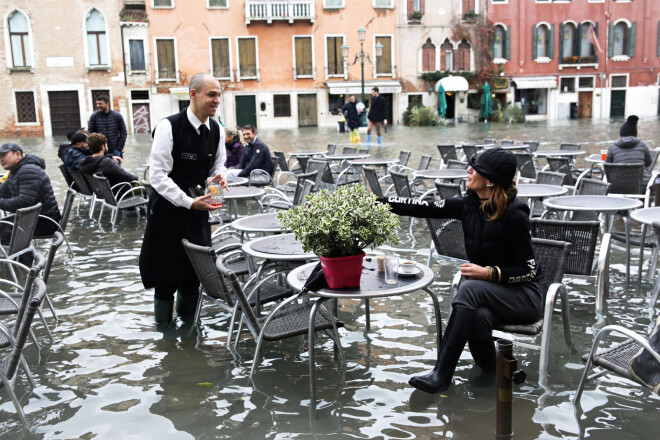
<point>237,181</point>
<point>594,158</point>
<point>540,190</point>
<point>507,147</point>
<point>373,161</point>
<point>243,192</point>
<point>258,223</point>
<point>351,156</point>
<point>277,247</point>
<point>646,215</point>
<point>558,153</point>
<point>592,203</point>
<point>308,153</point>
<point>441,174</point>
<point>372,282</point>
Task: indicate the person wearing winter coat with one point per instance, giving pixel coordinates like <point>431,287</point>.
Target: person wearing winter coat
<point>77,152</point>
<point>352,114</point>
<point>502,282</point>
<point>630,149</point>
<point>27,185</point>
<point>110,123</point>
<point>256,155</point>
<point>376,115</point>
<point>234,147</point>
<point>99,162</point>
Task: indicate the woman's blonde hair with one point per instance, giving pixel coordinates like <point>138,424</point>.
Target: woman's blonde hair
<point>232,132</point>
<point>499,200</point>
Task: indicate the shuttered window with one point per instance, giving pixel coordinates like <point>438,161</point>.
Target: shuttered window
<point>21,53</point>
<point>25,109</point>
<point>221,62</point>
<point>428,56</point>
<point>217,3</point>
<point>136,49</point>
<point>568,42</point>
<point>447,56</point>
<point>247,57</point>
<point>162,3</point>
<point>304,59</point>
<point>498,44</point>
<point>415,6</point>
<point>384,64</point>
<point>335,62</point>
<point>166,61</point>
<point>463,56</point>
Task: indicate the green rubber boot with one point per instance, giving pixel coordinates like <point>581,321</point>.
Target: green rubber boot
<point>186,306</point>
<point>163,312</point>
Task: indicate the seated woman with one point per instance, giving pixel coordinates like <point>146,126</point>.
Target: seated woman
<point>501,283</point>
<point>234,147</point>
<point>629,148</point>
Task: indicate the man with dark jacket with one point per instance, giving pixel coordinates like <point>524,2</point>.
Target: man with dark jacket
<point>110,123</point>
<point>27,185</point>
<point>77,152</point>
<point>256,154</point>
<point>98,162</point>
<point>352,113</point>
<point>630,149</point>
<point>376,114</point>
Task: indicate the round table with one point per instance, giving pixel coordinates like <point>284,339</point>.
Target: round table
<point>237,181</point>
<point>604,204</point>
<point>307,153</point>
<point>507,147</point>
<point>277,248</point>
<point>372,161</point>
<point>558,153</point>
<point>351,156</point>
<point>594,159</point>
<point>235,193</point>
<point>534,190</point>
<point>258,223</point>
<point>372,285</point>
<point>441,174</point>
<point>645,216</point>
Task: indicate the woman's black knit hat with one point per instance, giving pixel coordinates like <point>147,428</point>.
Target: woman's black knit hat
<point>497,165</point>
<point>629,128</point>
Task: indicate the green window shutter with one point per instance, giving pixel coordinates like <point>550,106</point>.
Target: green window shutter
<point>492,48</point>
<point>561,43</point>
<point>507,43</point>
<point>593,49</point>
<point>577,40</point>
<point>610,41</point>
<point>551,43</point>
<point>632,30</point>
<point>535,39</point>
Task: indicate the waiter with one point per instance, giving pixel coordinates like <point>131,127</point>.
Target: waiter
<point>188,150</point>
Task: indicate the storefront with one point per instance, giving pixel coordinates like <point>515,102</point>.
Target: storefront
<point>533,94</point>
<point>339,91</point>
<point>455,90</point>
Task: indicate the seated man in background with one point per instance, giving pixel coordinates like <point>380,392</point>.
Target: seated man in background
<point>27,185</point>
<point>77,152</point>
<point>98,162</point>
<point>256,154</point>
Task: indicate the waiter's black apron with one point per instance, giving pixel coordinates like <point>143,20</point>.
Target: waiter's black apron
<point>162,258</point>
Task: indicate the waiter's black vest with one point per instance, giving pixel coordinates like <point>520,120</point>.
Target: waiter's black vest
<point>193,159</point>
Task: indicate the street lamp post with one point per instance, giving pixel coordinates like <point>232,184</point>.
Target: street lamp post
<point>362,33</point>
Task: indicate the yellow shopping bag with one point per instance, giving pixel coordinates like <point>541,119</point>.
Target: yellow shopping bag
<point>355,136</point>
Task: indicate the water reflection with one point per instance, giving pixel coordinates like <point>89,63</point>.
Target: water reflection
<point>110,375</point>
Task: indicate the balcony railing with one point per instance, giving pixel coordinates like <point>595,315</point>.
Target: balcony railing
<point>279,10</point>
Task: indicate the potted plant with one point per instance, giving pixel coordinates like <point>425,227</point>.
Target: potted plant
<point>337,226</point>
<point>415,16</point>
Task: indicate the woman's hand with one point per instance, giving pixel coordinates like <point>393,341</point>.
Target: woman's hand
<point>474,272</point>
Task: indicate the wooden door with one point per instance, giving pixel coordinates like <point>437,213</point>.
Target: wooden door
<point>307,111</point>
<point>618,103</point>
<point>141,118</point>
<point>64,112</point>
<point>584,104</point>
<point>246,110</point>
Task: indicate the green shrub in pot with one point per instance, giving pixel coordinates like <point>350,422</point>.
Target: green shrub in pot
<point>341,223</point>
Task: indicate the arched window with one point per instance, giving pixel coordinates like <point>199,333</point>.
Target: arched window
<point>620,38</point>
<point>498,44</point>
<point>542,41</point>
<point>96,39</point>
<point>447,56</point>
<point>463,56</point>
<point>21,53</point>
<point>428,56</point>
<point>568,40</point>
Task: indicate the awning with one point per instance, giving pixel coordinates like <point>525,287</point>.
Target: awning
<point>453,84</point>
<point>355,87</point>
<point>535,82</point>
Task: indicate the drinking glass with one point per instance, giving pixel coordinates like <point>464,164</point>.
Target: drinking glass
<point>603,154</point>
<point>216,200</point>
<point>391,269</point>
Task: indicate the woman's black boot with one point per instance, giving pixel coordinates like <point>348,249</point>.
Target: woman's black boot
<point>451,347</point>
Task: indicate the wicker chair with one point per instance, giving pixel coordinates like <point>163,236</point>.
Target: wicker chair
<point>277,199</point>
<point>332,148</point>
<point>133,198</point>
<point>446,190</point>
<point>453,164</point>
<point>507,142</point>
<point>532,146</point>
<point>470,151</point>
<point>284,170</point>
<point>490,141</point>
<point>64,220</point>
<point>14,295</point>
<point>551,257</point>
<point>550,178</point>
<point>285,321</point>
<point>656,285</point>
<point>9,362</point>
<point>401,184</point>
<point>23,223</point>
<point>447,239</point>
<point>526,166</point>
<point>569,146</point>
<point>214,288</point>
<point>626,178</point>
<point>563,165</point>
<point>614,359</point>
<point>85,190</point>
<point>404,157</point>
<point>348,150</point>
<point>592,187</point>
<point>583,237</point>
<point>654,158</point>
<point>424,162</point>
<point>447,151</point>
<point>67,177</point>
<point>372,179</point>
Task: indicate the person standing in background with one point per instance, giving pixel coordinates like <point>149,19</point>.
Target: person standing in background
<point>111,124</point>
<point>353,115</point>
<point>376,114</point>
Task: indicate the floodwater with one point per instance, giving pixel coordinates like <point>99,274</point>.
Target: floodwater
<point>109,374</point>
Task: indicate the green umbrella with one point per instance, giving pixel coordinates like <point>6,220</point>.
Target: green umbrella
<point>486,102</point>
<point>442,101</point>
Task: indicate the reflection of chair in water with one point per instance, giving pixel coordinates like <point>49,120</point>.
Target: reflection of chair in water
<point>551,257</point>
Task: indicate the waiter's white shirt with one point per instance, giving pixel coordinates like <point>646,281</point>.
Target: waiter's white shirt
<point>161,161</point>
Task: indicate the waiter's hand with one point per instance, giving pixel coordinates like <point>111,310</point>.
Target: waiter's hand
<point>474,271</point>
<point>201,203</point>
<point>220,178</point>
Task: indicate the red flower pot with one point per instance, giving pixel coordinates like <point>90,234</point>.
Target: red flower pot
<point>342,271</point>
